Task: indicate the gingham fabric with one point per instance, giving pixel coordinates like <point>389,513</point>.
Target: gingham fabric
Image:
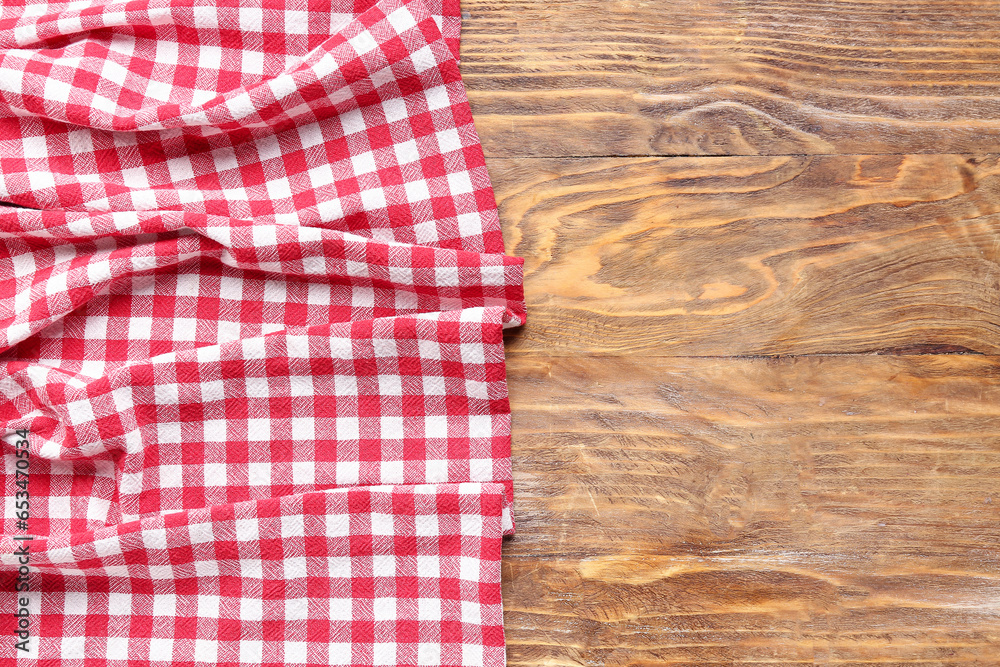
<point>406,575</point>
<point>252,294</point>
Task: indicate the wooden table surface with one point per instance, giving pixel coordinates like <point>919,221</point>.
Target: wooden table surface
<point>757,403</point>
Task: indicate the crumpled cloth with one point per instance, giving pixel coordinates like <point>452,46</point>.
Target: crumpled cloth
<point>253,292</point>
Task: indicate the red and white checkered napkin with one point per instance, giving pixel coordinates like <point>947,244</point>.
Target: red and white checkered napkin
<point>391,575</point>
<point>252,295</point>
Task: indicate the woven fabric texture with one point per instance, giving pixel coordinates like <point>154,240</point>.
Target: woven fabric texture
<point>252,292</point>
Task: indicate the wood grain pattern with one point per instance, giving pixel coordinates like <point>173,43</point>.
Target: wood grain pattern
<point>755,255</point>
<point>733,77</point>
<point>824,510</point>
<point>688,494</point>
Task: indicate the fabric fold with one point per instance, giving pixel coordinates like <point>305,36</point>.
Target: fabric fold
<point>381,142</point>
<point>397,575</point>
<point>62,261</point>
<point>404,400</point>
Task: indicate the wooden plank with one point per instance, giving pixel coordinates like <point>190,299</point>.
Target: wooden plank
<point>727,77</point>
<point>819,510</point>
<point>565,612</point>
<point>755,255</point>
